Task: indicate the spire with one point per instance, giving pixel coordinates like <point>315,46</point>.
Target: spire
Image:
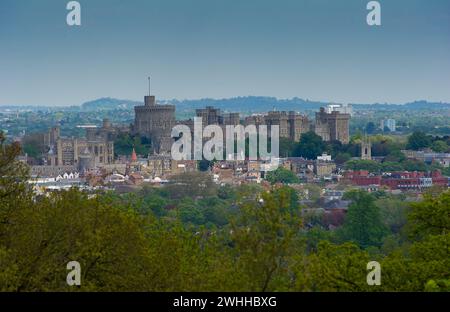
<point>149,90</point>
<point>133,156</point>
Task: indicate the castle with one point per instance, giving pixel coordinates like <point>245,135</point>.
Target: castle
<point>155,122</point>
<point>332,125</point>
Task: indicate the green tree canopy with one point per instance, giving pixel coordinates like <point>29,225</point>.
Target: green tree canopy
<point>281,175</point>
<point>369,165</point>
<point>311,145</point>
<point>418,140</point>
<point>363,224</point>
<point>440,146</point>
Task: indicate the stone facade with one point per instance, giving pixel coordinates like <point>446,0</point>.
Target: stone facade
<point>324,168</point>
<point>366,149</point>
<point>213,116</point>
<point>209,115</point>
<point>155,122</point>
<point>69,151</point>
<point>292,125</point>
<point>333,126</point>
<point>96,150</point>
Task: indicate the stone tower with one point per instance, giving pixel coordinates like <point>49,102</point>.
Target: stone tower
<point>155,122</point>
<point>333,126</point>
<point>366,149</point>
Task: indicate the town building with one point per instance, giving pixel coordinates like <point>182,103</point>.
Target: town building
<point>429,157</point>
<point>81,154</point>
<point>340,108</point>
<point>324,166</point>
<point>388,124</point>
<point>416,181</point>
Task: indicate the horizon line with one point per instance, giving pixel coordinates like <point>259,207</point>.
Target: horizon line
<point>222,99</point>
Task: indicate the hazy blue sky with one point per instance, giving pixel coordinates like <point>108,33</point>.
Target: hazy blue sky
<point>315,49</point>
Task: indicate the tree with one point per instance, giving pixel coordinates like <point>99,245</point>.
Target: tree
<point>282,175</point>
<point>190,213</point>
<point>395,156</point>
<point>311,145</point>
<point>227,192</point>
<point>14,191</point>
<point>109,244</point>
<point>156,204</point>
<point>287,147</point>
<point>414,165</point>
<point>342,158</point>
<point>431,216</point>
<point>363,224</point>
<point>369,165</point>
<point>216,211</point>
<point>427,259</point>
<point>393,213</point>
<point>124,144</point>
<point>439,146</point>
<point>264,238</point>
<point>418,140</point>
<point>332,268</point>
<point>391,166</point>
<point>245,239</point>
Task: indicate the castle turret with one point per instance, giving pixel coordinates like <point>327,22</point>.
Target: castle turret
<point>155,122</point>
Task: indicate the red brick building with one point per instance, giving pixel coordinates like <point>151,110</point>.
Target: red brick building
<point>398,180</point>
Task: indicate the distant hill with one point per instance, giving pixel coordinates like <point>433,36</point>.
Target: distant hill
<point>251,104</point>
<point>254,104</point>
<point>248,104</point>
<point>411,106</point>
<point>109,104</point>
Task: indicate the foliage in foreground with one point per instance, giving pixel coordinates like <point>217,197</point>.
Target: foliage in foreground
<point>263,246</point>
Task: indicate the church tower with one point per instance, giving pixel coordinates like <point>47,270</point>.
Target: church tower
<point>366,149</point>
